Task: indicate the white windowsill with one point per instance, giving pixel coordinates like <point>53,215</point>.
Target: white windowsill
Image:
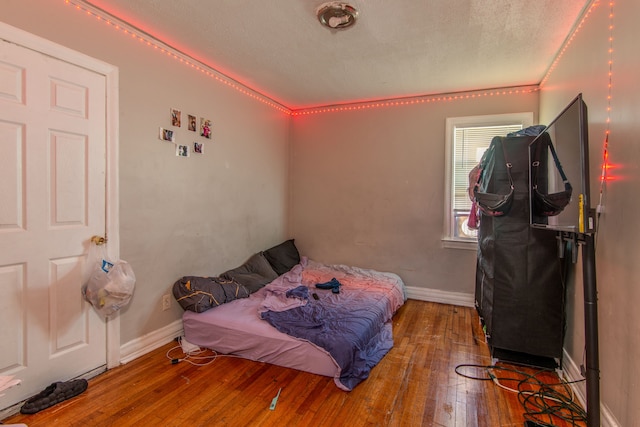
<point>450,243</point>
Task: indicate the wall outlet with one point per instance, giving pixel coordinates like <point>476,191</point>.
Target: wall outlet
<point>166,302</point>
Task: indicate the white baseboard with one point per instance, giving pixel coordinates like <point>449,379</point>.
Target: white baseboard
<point>572,373</point>
<point>442,297</point>
<point>149,342</point>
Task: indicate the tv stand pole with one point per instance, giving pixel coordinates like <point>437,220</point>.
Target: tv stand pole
<point>591,330</point>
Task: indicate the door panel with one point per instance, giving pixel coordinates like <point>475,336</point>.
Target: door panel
<point>12,176</point>
<point>52,200</point>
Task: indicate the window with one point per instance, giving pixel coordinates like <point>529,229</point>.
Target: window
<point>466,140</point>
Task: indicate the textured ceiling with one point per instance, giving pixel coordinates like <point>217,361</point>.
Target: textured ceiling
<point>396,49</point>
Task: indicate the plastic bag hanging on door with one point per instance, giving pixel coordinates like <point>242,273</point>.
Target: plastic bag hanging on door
<point>108,285</point>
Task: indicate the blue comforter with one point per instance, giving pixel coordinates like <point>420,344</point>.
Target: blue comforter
<point>354,326</point>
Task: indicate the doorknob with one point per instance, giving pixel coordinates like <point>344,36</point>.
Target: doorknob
<point>98,240</point>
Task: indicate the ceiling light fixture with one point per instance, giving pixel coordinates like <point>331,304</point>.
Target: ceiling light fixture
<point>336,15</point>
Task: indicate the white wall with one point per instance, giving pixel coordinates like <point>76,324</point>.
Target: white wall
<point>584,68</point>
<point>368,188</point>
<point>178,216</point>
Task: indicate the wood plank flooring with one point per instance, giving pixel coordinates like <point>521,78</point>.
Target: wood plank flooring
<point>415,384</point>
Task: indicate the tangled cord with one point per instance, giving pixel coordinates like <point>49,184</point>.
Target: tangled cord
<point>541,401</point>
<point>199,357</point>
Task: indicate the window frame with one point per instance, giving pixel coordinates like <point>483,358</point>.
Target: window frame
<point>525,119</point>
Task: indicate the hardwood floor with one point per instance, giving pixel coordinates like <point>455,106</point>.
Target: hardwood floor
<point>415,384</point>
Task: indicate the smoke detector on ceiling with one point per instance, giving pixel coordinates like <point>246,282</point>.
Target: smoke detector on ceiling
<point>337,15</point>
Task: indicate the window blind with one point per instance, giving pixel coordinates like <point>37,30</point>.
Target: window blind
<point>469,145</point>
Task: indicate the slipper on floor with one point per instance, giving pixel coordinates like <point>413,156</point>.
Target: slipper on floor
<point>54,394</point>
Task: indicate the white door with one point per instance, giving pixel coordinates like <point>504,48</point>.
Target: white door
<point>52,200</point>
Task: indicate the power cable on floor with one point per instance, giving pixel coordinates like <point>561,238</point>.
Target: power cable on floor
<point>542,402</point>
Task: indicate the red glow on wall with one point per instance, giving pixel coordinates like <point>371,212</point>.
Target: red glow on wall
<point>568,42</point>
<point>178,55</point>
<point>608,169</point>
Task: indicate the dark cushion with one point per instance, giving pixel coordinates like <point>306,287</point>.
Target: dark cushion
<point>283,257</point>
<point>253,274</point>
<point>200,294</point>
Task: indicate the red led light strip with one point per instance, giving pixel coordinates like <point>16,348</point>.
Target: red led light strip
<point>175,54</point>
<point>606,166</point>
<point>150,41</point>
<point>417,100</point>
<point>221,78</point>
<point>566,44</point>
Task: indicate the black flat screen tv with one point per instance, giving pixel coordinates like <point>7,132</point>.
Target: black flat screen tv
<point>559,173</point>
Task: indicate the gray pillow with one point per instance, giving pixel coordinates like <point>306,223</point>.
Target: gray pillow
<point>200,294</point>
<point>283,257</point>
<point>253,274</point>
